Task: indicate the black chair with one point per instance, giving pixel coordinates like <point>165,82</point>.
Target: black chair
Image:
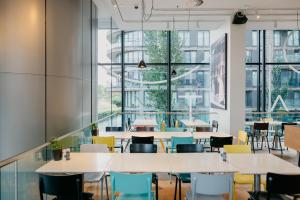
<point>204,129</point>
<point>258,129</point>
<point>64,187</point>
<point>143,148</point>
<point>279,185</point>
<point>219,142</point>
<point>115,129</point>
<point>278,135</point>
<point>185,177</point>
<point>146,148</point>
<point>144,129</point>
<point>215,125</point>
<point>142,140</point>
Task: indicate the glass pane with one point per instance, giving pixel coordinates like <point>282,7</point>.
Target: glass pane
<point>252,52</point>
<point>251,87</point>
<point>8,183</point>
<point>109,43</point>
<point>109,96</point>
<point>190,47</point>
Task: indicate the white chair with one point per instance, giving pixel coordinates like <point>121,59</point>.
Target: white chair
<point>95,177</point>
<point>205,186</point>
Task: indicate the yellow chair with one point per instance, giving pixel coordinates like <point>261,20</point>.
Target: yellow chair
<point>242,137</point>
<point>241,178</point>
<point>109,141</point>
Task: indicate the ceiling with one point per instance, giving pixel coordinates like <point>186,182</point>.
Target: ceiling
<point>181,14</point>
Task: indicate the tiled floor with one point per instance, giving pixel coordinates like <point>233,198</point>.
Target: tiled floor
<point>166,188</point>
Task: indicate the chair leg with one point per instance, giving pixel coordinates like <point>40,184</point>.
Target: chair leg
<point>280,145</point>
<point>175,188</point>
<point>268,143</point>
<point>179,189</point>
<point>252,144</point>
<point>106,187</point>
<point>262,142</point>
<point>156,188</point>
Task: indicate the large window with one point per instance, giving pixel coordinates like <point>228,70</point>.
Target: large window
<point>273,70</point>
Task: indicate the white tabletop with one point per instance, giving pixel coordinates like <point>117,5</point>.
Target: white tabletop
<point>165,135</point>
<point>261,164</point>
<point>195,123</point>
<point>144,122</point>
<point>140,162</point>
<point>79,163</point>
<point>199,162</point>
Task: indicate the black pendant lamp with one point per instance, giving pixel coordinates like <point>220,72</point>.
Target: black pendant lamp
<point>142,63</point>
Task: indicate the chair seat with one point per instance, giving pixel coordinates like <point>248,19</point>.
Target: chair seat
<point>134,196</point>
<point>185,178</point>
<point>263,196</point>
<point>203,197</point>
<point>246,179</point>
<point>92,177</point>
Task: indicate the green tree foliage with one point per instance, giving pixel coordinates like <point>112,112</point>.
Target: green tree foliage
<point>157,50</point>
<point>278,87</point>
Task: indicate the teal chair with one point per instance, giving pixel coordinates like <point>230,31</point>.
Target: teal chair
<point>174,129</point>
<point>131,186</point>
<point>179,140</point>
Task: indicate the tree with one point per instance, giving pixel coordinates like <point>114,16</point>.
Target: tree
<point>157,51</point>
<point>278,87</point>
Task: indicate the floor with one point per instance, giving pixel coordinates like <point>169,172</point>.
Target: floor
<point>166,187</point>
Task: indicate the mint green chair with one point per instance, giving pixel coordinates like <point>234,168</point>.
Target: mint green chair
<point>174,129</point>
<point>131,186</point>
<point>180,140</point>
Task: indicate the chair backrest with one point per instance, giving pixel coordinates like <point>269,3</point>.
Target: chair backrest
<point>204,129</point>
<point>174,129</point>
<point>94,148</point>
<point>189,148</point>
<point>287,124</point>
<point>143,148</point>
<point>283,184</point>
<point>242,137</point>
<point>108,140</point>
<point>131,183</point>
<point>142,140</point>
<point>219,142</point>
<point>267,119</point>
<point>63,187</point>
<point>215,125</point>
<point>236,148</point>
<point>211,184</point>
<point>180,140</point>
<point>145,129</point>
<point>113,128</point>
<point>261,126</point>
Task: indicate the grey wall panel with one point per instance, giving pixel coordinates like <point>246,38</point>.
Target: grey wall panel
<point>64,105</point>
<point>22,36</point>
<point>87,98</point>
<point>64,38</point>
<point>22,113</point>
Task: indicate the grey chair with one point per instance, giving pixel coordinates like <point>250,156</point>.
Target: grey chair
<point>95,177</point>
<point>205,186</point>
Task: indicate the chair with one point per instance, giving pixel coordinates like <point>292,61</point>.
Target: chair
<point>185,178</point>
<point>279,185</point>
<point>113,129</point>
<point>219,142</point>
<point>131,186</point>
<point>215,125</point>
<point>206,185</point>
<point>146,148</point>
<point>240,178</point>
<point>144,129</point>
<point>142,140</point>
<point>278,135</point>
<point>143,148</point>
<point>63,187</point>
<point>242,137</point>
<point>108,140</point>
<point>204,129</point>
<point>174,129</point>
<point>179,140</point>
<point>258,128</point>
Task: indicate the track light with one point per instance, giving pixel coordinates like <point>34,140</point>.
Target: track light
<point>239,18</point>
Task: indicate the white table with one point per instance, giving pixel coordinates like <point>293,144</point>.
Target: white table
<point>261,164</point>
<point>144,123</point>
<point>195,123</point>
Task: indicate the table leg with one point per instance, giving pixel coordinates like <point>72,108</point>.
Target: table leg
<point>256,182</point>
<point>299,159</point>
<point>101,189</point>
<point>128,141</point>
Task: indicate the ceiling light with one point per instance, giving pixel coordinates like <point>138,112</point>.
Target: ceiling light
<point>114,3</point>
<point>174,73</point>
<point>142,63</point>
<point>198,3</point>
<point>257,16</point>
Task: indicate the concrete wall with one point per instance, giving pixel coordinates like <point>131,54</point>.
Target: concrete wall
<point>45,70</point>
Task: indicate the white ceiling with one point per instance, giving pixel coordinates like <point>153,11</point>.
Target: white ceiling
<point>211,14</point>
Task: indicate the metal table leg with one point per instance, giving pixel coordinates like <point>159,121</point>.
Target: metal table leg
<point>256,182</point>
<point>101,189</point>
